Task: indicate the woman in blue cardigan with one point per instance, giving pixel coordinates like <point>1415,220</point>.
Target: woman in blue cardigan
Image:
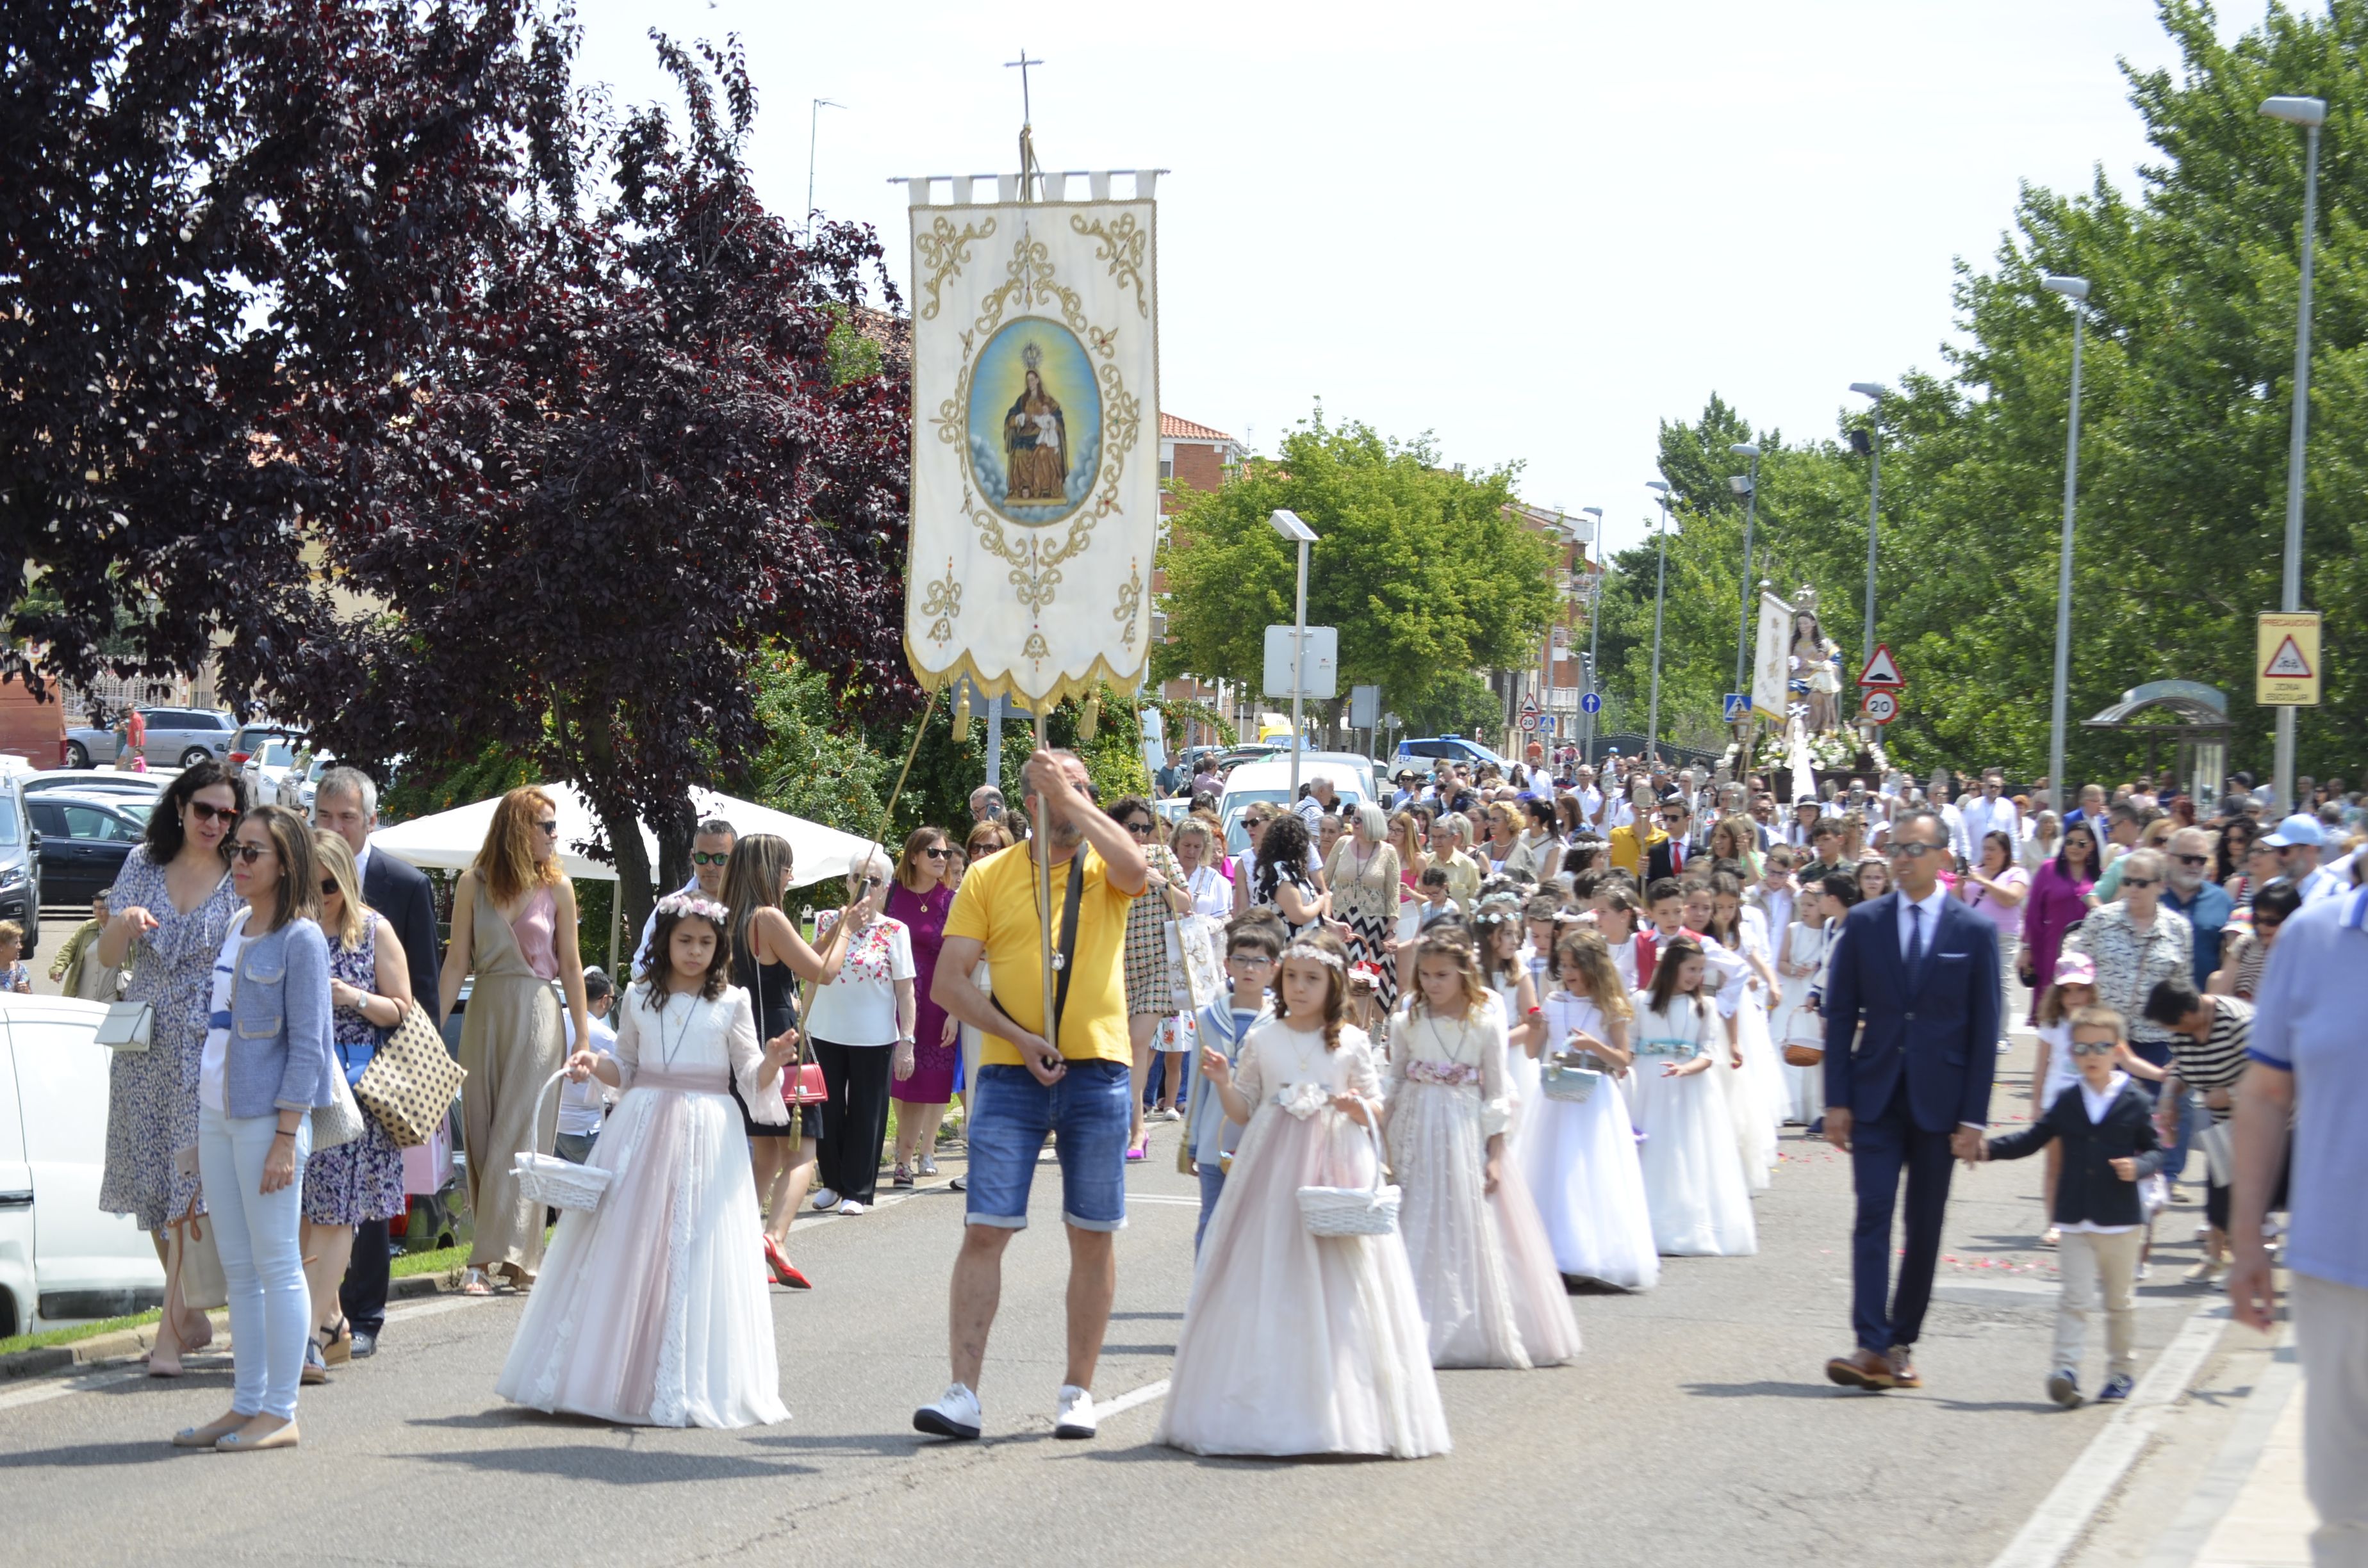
<point>266,1064</point>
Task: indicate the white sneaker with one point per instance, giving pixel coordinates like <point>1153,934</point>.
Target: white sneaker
<point>955,1415</point>
<point>850,1207</point>
<point>1074,1415</point>
<point>825,1198</point>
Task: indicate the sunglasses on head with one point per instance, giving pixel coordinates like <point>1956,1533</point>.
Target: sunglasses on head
<point>203,810</point>
<point>697,858</point>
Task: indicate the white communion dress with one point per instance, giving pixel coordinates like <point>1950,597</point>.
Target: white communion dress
<point>1483,1269</point>
<point>1295,1343</point>
<point>652,1309</point>
<point>1583,1171</point>
<point>1693,1171</point>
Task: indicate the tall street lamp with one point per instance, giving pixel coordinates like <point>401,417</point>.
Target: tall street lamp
<point>2310,114</point>
<point>1750,512</point>
<point>1594,619</point>
<point>2077,290</point>
<point>814,133</point>
<point>1870,441</point>
<point>1288,525</point>
<point>1660,591</point>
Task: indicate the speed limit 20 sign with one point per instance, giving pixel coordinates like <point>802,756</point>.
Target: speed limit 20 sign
<point>1882,707</point>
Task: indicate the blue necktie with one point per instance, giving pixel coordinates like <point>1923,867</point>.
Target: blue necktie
<point>1915,944</point>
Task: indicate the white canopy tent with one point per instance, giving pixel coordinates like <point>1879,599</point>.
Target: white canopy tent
<point>448,841</point>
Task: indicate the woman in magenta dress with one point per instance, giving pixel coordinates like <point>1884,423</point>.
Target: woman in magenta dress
<point>920,898</point>
<point>2058,901</point>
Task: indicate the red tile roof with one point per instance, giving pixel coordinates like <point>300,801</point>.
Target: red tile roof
<point>1174,429</point>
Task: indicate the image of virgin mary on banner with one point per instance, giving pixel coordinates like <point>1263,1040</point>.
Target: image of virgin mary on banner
<point>1035,436</point>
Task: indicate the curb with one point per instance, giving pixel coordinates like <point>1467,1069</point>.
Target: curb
<point>48,1359</point>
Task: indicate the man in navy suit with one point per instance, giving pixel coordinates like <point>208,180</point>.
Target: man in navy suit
<point>346,803</point>
<point>1919,971</point>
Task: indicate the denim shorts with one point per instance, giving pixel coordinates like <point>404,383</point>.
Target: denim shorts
<point>1089,1113</point>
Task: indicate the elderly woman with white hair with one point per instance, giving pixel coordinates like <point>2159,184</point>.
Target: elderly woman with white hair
<point>1363,875</point>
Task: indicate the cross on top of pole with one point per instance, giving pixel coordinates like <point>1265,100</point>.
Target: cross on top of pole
<point>1027,112</point>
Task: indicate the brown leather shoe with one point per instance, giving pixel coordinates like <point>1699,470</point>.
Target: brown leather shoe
<point>1862,1370</point>
<point>1903,1370</point>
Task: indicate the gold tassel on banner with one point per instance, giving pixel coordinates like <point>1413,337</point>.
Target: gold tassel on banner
<point>961,708</point>
<point>1088,717</point>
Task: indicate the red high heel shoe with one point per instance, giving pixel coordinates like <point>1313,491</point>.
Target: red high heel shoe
<point>784,1271</point>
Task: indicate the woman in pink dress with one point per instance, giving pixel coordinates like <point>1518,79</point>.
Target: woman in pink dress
<point>2058,901</point>
<point>921,897</point>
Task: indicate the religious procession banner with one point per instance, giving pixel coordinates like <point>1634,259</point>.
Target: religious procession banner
<point>1035,502</point>
<point>1771,664</point>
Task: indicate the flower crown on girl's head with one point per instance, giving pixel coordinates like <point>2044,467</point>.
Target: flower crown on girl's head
<point>681,904</point>
<point>1314,954</point>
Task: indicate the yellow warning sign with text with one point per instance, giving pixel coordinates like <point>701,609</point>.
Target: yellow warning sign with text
<point>2286,666</point>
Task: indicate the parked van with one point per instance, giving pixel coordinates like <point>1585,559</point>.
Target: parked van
<point>60,1256</point>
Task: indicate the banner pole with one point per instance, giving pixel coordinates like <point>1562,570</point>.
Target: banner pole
<point>1050,1029</point>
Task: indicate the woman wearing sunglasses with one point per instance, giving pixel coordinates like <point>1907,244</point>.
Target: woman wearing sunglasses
<point>514,928</point>
<point>2058,901</point>
<point>173,902</point>
<point>922,895</point>
<point>860,1018</point>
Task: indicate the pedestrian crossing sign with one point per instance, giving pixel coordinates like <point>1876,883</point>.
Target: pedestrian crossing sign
<point>2286,665</point>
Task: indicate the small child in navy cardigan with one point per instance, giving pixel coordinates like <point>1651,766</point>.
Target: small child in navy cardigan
<point>2110,1145</point>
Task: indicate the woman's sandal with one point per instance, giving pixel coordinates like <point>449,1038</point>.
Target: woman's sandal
<point>477,1282</point>
<point>233,1443</point>
<point>904,1176</point>
<point>338,1345</point>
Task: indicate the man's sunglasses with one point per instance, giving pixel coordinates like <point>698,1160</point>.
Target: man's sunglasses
<point>1912,851</point>
<point>2193,859</point>
<point>697,858</point>
<point>2139,882</point>
<point>203,810</point>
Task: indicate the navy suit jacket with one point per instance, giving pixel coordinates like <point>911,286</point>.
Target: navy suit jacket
<point>1940,1032</point>
<point>399,891</point>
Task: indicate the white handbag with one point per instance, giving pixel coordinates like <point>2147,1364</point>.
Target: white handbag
<point>1352,1210</point>
<point>129,1025</point>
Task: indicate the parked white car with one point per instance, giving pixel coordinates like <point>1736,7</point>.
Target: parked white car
<point>301,783</point>
<point>1269,780</point>
<point>60,1258</point>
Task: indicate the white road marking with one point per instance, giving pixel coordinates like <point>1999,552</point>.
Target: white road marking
<point>2049,1537</point>
<point>451,1303</point>
<point>1132,1398</point>
<point>1162,1198</point>
<point>89,1383</point>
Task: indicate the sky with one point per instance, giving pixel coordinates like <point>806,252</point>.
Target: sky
<point>1533,231</point>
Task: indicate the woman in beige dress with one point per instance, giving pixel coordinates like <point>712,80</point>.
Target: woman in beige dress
<point>514,928</point>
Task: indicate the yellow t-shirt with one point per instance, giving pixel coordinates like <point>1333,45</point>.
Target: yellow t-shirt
<point>998,905</point>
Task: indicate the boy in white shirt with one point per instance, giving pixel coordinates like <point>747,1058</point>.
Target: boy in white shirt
<point>583,1107</point>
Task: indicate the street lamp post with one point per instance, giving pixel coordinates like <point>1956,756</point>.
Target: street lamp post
<point>1660,592</point>
<point>2310,114</point>
<point>1750,513</point>
<point>814,133</point>
<point>1288,525</point>
<point>1873,501</point>
<point>2077,290</point>
<point>1594,621</point>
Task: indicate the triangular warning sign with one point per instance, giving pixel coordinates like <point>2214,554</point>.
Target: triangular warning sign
<point>1881,670</point>
<point>2287,663</point>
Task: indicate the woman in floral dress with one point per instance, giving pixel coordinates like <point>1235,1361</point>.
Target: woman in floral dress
<point>352,1184</point>
<point>173,902</point>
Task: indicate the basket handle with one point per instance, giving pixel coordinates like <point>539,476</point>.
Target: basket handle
<point>536,1129</point>
<point>1372,1136</point>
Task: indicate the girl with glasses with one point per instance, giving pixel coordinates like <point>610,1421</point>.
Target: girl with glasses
<point>514,929</point>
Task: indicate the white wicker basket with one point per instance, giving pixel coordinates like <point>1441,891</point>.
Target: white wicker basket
<point>1564,1078</point>
<point>1351,1210</point>
<point>548,1180</point>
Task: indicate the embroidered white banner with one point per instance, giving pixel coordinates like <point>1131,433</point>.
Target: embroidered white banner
<point>1035,444</point>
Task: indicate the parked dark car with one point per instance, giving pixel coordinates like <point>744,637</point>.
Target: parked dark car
<point>21,863</point>
<point>84,841</point>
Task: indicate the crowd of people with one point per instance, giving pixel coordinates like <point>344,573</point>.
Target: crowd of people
<point>1565,1014</point>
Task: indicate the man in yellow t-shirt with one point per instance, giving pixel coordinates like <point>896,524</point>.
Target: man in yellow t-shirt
<point>1081,1091</point>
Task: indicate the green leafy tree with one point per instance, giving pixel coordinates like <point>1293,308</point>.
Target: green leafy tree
<point>1421,568</point>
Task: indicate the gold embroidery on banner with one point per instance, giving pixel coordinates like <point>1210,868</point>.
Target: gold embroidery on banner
<point>943,250</point>
<point>943,601</point>
<point>1124,244</point>
<point>1130,600</point>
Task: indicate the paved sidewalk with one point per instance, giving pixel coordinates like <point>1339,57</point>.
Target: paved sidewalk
<point>2269,1524</point>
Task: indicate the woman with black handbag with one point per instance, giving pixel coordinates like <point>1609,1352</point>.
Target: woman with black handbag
<point>769,957</point>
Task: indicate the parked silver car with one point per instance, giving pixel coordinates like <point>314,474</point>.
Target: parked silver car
<point>177,737</point>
